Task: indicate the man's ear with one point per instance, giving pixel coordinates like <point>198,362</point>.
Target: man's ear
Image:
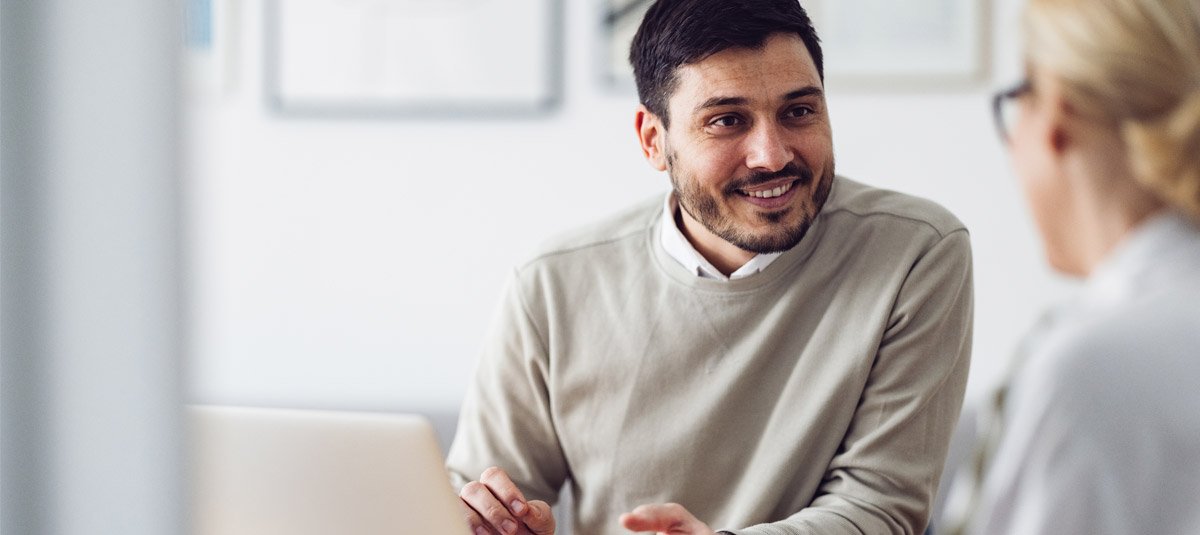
<point>652,136</point>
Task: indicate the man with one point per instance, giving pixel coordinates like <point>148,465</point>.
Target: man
<point>772,350</point>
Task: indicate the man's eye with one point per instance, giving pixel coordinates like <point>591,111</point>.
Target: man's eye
<point>799,112</point>
<point>726,121</point>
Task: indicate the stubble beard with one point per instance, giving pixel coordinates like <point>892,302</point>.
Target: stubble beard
<point>706,209</point>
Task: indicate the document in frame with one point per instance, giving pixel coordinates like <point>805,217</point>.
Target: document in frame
<point>413,56</point>
<point>930,41</point>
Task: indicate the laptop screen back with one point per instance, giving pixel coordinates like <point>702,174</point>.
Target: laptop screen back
<point>273,471</point>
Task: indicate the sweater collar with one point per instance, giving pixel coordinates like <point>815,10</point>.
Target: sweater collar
<point>681,250</point>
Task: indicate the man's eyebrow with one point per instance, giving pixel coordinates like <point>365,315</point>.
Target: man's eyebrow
<point>722,101</point>
<point>809,91</point>
<point>716,102</point>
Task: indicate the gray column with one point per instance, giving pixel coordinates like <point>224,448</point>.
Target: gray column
<point>90,283</point>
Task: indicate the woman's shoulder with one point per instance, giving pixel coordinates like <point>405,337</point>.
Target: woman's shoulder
<point>1144,353</point>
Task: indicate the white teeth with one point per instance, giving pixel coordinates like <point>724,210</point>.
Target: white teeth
<point>771,193</point>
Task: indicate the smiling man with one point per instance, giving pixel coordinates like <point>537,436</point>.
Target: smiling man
<point>751,154</point>
<point>771,349</point>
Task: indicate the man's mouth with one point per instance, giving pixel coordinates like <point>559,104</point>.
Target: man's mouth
<point>770,193</point>
<point>769,186</point>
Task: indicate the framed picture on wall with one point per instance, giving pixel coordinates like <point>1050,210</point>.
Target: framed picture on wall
<point>211,35</point>
<point>867,43</point>
<point>413,57</point>
<point>885,43</point>
<point>619,22</point>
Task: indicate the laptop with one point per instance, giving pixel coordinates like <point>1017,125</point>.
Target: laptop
<point>290,472</point>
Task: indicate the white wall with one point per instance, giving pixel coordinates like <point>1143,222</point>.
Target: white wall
<point>355,263</point>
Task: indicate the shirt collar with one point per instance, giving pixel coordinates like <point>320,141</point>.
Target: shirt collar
<point>679,248</point>
<point>1161,250</point>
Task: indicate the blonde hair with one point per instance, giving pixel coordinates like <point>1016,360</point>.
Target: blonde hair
<point>1134,64</point>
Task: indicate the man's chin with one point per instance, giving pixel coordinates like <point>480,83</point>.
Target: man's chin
<point>780,230</point>
<point>770,242</point>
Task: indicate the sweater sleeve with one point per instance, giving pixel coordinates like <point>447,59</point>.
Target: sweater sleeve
<point>505,419</point>
<point>884,477</point>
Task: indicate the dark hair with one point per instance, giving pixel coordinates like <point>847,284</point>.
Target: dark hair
<point>679,32</point>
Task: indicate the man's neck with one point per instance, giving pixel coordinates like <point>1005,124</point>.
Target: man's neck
<point>724,256</point>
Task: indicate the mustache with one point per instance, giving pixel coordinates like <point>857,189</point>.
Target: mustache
<point>758,178</point>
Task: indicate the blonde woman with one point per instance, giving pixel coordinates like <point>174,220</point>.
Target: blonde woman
<point>1101,427</point>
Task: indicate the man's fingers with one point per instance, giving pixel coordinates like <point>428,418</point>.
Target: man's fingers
<point>539,519</point>
<point>499,507</point>
<point>505,490</point>
<point>663,518</point>
<point>495,515</point>
<point>657,517</point>
<point>476,523</point>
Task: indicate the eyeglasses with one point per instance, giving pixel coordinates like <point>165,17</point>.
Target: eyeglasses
<point>1005,109</point>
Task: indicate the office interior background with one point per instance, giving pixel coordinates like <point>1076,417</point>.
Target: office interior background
<point>177,232</point>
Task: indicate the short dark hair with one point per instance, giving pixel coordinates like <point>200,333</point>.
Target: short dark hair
<point>679,32</point>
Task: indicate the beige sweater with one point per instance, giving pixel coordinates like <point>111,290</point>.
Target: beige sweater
<point>815,397</point>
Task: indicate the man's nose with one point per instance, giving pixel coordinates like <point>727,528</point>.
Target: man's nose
<point>767,149</point>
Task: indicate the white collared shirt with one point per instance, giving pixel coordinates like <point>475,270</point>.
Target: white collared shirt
<point>1102,432</point>
<point>678,247</point>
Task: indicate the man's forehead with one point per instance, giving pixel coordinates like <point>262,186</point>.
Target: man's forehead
<point>781,65</point>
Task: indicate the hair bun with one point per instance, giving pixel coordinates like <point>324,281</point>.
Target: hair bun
<point>1165,154</point>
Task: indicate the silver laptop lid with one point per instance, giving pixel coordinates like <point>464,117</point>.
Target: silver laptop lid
<point>290,472</point>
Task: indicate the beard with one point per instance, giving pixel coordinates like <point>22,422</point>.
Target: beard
<point>781,236</point>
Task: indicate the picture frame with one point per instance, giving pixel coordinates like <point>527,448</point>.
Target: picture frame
<point>867,44</point>
<point>413,58</point>
<point>920,44</point>
<point>619,21</point>
<point>211,53</point>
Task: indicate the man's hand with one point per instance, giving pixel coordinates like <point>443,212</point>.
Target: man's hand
<point>495,506</point>
<point>664,519</point>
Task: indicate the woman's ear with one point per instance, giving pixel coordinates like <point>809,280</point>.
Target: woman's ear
<point>1061,117</point>
<point>652,137</point>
